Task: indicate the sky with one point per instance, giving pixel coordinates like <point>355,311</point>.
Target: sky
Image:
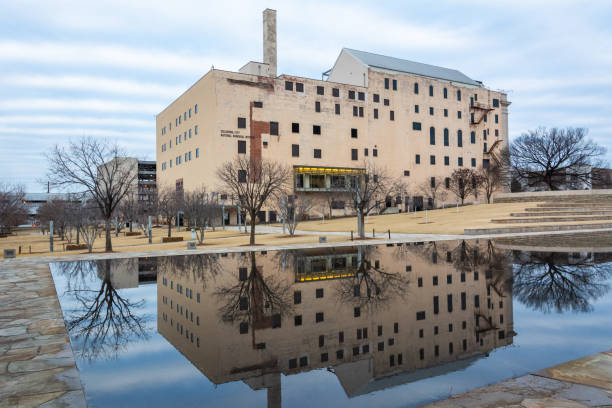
<point>106,68</point>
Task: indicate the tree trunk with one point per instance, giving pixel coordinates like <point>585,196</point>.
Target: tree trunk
<point>169,227</point>
<point>131,226</point>
<point>360,223</point>
<point>252,237</point>
<point>78,231</point>
<point>109,244</point>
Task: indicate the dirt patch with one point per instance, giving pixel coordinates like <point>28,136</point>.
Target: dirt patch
<point>289,236</point>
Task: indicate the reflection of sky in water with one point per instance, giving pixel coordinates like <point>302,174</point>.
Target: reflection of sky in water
<point>153,373</point>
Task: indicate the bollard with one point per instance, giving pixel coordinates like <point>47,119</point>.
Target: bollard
<point>373,233</point>
<point>351,235</point>
<point>389,231</point>
<point>19,249</point>
<point>50,236</point>
<point>150,232</point>
<point>30,248</point>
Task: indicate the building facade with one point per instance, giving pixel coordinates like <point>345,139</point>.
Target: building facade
<point>417,121</point>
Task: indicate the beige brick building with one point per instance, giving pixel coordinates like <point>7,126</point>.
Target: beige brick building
<point>431,308</point>
<point>416,120</point>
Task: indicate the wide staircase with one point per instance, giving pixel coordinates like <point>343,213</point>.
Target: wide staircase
<point>554,211</point>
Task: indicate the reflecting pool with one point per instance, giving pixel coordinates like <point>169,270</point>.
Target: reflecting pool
<point>386,325</point>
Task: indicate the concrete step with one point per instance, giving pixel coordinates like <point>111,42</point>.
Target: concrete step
<point>521,220</point>
<point>587,204</point>
<point>535,228</point>
<point>391,210</point>
<point>560,213</point>
<point>584,208</point>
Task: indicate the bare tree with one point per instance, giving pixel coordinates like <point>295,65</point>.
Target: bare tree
<point>87,222</point>
<point>95,167</point>
<point>169,203</point>
<point>200,210</point>
<point>463,182</point>
<point>254,182</point>
<point>61,212</point>
<point>12,209</point>
<point>433,190</point>
<point>491,179</point>
<point>129,208</point>
<point>555,157</point>
<point>369,190</point>
<point>293,210</point>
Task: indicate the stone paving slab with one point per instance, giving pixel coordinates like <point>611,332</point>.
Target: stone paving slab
<point>595,371</point>
<point>37,366</point>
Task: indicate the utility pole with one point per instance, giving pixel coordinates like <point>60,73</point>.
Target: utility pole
<point>284,212</point>
<point>150,231</point>
<point>50,236</point>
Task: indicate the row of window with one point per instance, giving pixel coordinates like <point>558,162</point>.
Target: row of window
<point>180,118</point>
<point>180,159</point>
<point>432,160</point>
<point>180,138</point>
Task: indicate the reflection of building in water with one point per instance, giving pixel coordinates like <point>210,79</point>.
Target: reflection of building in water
<point>130,272</point>
<point>375,316</point>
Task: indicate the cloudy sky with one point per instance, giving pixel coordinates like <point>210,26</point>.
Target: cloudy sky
<point>106,68</point>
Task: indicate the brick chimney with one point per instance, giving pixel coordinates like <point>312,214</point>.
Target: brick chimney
<point>269,40</point>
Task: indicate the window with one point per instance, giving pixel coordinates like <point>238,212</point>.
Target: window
<point>395,84</point>
<point>355,111</point>
<point>317,153</point>
<point>496,103</point>
<point>458,114</point>
<point>391,115</point>
<point>357,312</point>
<point>431,111</point>
<point>445,113</point>
<point>416,108</point>
<point>417,159</point>
<point>295,127</point>
<point>319,317</point>
<point>361,111</point>
<point>244,327</point>
<point>436,305</point>
<point>195,108</point>
<point>496,132</point>
<point>386,102</point>
<point>351,95</point>
<point>432,182</point>
<point>459,138</point>
<point>432,136</point>
<point>463,301</point>
<point>299,87</point>
<point>460,161</point>
<point>297,320</point>
<point>446,161</point>
<point>336,92</point>
<point>274,128</point>
<point>376,113</point>
<point>354,154</point>
<point>317,106</point>
<point>484,147</point>
<point>288,86</point>
<point>449,302</point>
<point>320,90</point>
<point>195,129</point>
<point>375,153</point>
<point>241,123</point>
<point>376,98</point>
<point>420,282</point>
<point>241,147</point>
<point>386,83</point>
<point>258,104</point>
<point>416,88</point>
<point>473,162</point>
<point>365,151</point>
<point>354,133</point>
<point>316,129</point>
<point>242,176</point>
<point>445,137</point>
<point>340,337</point>
<point>496,118</point>
<point>420,315</point>
<point>361,96</point>
<point>324,357</point>
<point>458,94</point>
<point>340,354</point>
<point>295,150</point>
<point>190,133</point>
<point>416,125</point>
<point>431,90</point>
<point>472,137</point>
<point>337,108</point>
<point>319,293</point>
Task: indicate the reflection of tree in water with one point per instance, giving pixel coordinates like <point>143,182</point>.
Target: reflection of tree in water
<point>104,321</point>
<point>544,282</point>
<point>372,286</point>
<point>254,298</point>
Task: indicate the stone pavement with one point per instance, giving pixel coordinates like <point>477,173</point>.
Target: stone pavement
<point>586,382</point>
<point>37,366</point>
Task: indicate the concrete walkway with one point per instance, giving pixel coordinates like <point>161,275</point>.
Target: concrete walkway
<point>37,366</point>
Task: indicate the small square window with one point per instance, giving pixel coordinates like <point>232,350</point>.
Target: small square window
<point>299,87</point>
<point>357,312</point>
<point>376,98</point>
<point>317,153</point>
<point>336,92</point>
<point>293,363</point>
<point>386,102</point>
<point>316,129</point>
<point>258,104</point>
<point>339,354</point>
<point>319,293</point>
<point>241,123</point>
<point>324,357</point>
<point>295,150</point>
<point>354,154</point>
<point>375,152</point>
<point>288,86</point>
<point>320,90</point>
<point>241,147</point>
<point>406,173</point>
<point>274,128</point>
<point>244,327</point>
<point>354,133</point>
<point>319,317</point>
<point>295,128</point>
<point>351,94</point>
<point>298,320</point>
<point>361,96</point>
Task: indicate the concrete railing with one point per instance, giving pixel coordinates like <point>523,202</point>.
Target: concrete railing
<point>591,196</point>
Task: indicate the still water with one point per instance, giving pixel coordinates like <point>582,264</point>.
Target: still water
<point>361,326</point>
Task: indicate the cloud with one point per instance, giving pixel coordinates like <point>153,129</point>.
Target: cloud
<point>76,104</point>
<point>26,121</point>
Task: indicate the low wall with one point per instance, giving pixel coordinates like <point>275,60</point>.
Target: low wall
<point>591,196</point>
